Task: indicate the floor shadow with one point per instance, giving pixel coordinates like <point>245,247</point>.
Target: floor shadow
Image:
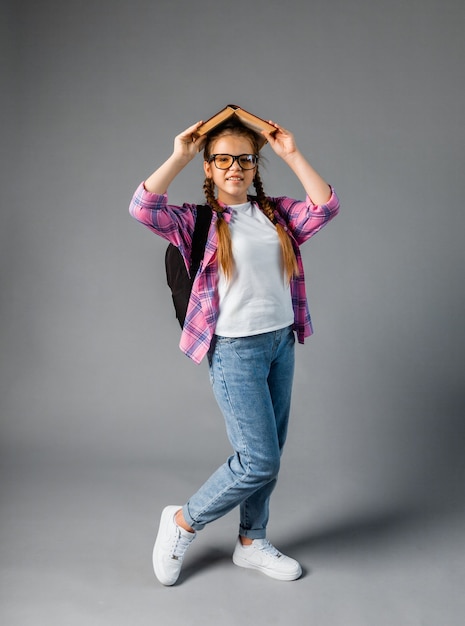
<point>206,559</point>
<point>357,531</point>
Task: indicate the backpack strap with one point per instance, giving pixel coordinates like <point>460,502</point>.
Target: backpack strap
<point>199,237</point>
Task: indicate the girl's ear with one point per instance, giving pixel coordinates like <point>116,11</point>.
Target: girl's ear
<point>207,168</point>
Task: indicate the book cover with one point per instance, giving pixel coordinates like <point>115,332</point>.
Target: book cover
<point>254,122</point>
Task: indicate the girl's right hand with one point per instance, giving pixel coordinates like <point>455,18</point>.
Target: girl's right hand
<point>187,144</point>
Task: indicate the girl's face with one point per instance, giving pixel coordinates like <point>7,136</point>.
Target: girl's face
<point>233,182</point>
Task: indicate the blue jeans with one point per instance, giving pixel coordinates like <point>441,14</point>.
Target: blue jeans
<point>252,383</point>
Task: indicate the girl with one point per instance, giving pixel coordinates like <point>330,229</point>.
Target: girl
<point>248,299</point>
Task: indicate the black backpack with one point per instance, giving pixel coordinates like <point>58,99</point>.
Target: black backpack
<point>176,273</point>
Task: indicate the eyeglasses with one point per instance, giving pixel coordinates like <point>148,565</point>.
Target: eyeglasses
<point>225,161</point>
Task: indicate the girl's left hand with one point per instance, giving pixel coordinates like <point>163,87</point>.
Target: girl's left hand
<point>282,141</point>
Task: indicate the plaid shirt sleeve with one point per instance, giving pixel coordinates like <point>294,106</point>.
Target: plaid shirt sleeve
<point>173,223</point>
<point>303,220</point>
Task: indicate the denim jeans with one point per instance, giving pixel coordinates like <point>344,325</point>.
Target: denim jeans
<point>252,383</point>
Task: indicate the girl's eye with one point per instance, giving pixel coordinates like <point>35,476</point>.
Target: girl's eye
<point>246,159</point>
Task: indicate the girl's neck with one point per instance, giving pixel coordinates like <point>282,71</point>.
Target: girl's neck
<point>231,200</point>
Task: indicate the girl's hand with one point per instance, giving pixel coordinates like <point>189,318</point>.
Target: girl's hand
<point>282,141</point>
<point>187,144</point>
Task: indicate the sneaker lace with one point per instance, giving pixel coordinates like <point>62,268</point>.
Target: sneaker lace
<point>268,548</point>
<point>180,545</point>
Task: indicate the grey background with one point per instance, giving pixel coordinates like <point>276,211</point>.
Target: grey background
<point>104,421</point>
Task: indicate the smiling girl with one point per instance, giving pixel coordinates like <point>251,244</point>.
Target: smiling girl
<point>248,303</point>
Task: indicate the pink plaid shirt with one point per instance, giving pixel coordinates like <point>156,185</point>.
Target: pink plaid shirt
<point>176,225</point>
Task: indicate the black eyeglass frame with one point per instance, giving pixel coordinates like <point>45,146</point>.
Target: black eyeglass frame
<point>234,158</point>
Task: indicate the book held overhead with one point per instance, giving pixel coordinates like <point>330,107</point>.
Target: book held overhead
<point>257,124</point>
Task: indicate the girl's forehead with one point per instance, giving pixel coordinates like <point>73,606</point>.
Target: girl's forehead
<point>228,143</point>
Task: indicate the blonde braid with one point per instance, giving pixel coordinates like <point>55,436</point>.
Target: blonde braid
<point>225,255</point>
<point>289,259</point>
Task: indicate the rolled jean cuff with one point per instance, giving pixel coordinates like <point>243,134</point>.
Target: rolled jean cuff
<point>192,523</point>
<point>259,533</point>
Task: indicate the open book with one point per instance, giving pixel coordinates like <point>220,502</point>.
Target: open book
<point>248,119</point>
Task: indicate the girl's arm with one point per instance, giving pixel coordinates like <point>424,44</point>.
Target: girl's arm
<point>186,146</point>
<point>283,143</point>
<point>149,203</point>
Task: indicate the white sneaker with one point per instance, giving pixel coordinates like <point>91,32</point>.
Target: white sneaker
<point>170,546</point>
<point>264,557</point>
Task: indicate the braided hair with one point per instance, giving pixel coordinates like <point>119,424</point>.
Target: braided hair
<point>225,256</point>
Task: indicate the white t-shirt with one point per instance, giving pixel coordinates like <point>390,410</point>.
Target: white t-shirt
<point>257,298</point>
